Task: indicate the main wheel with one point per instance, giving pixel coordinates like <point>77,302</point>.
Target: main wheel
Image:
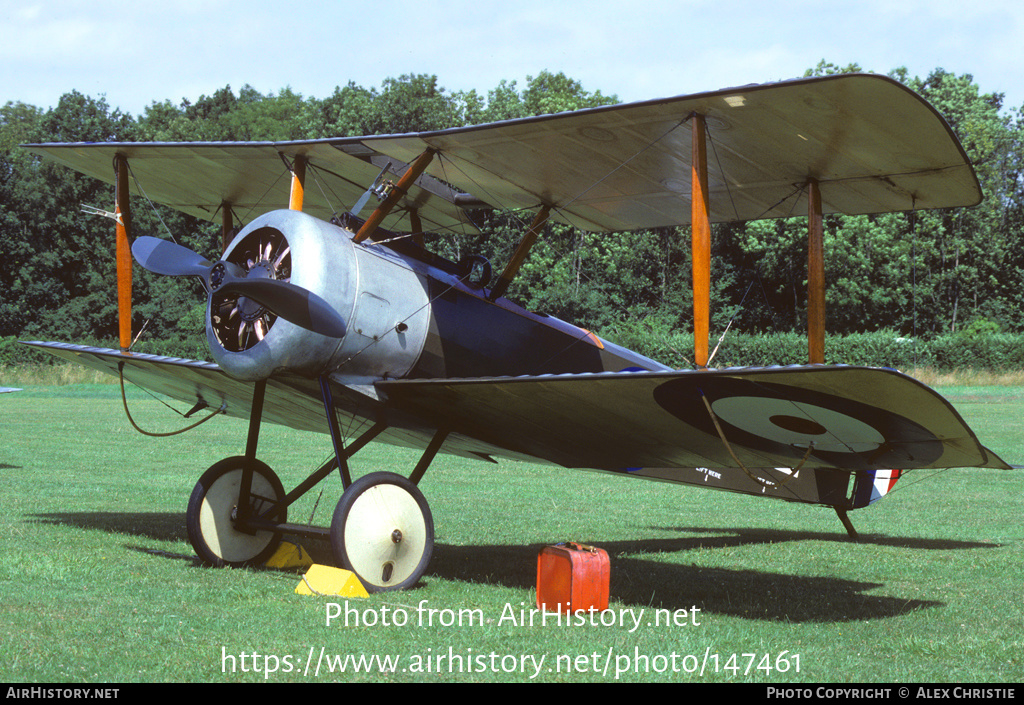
<point>383,531</point>
<point>213,508</point>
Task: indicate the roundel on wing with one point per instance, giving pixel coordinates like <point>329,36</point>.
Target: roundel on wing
<point>785,420</point>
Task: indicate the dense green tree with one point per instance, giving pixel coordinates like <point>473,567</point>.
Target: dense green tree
<point>504,103</point>
<point>343,113</point>
<point>965,252</point>
<point>18,124</point>
<point>60,265</point>
<point>549,93</point>
<point>411,103</point>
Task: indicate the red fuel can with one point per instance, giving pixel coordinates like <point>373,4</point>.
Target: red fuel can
<point>572,577</point>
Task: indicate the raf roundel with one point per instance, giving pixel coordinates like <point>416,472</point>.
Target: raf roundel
<point>799,424</point>
<point>786,421</point>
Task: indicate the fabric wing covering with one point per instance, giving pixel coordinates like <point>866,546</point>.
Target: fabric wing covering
<point>873,145</point>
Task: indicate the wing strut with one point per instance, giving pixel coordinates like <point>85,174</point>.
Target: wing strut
<point>815,277</point>
<point>227,226</point>
<point>700,219</point>
<point>512,268</point>
<point>401,188</point>
<point>298,189</point>
<point>123,215</point>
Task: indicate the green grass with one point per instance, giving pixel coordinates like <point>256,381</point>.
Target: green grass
<point>99,584</point>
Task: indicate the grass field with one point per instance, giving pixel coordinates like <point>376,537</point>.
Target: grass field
<point>99,584</point>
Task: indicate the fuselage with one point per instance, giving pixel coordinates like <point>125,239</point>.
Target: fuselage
<point>409,314</point>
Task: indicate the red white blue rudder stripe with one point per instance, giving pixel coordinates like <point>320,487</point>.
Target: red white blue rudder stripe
<point>871,486</point>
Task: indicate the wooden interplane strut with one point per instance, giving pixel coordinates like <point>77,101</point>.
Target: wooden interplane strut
<point>298,188</point>
<point>512,268</point>
<point>815,276</point>
<point>227,226</point>
<point>700,242</point>
<point>124,254</point>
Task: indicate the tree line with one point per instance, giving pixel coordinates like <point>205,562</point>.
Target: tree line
<point>921,274</point>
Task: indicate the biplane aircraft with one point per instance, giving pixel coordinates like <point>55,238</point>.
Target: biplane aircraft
<point>316,313</point>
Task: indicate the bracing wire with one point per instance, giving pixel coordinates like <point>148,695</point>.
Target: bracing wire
<point>721,170</point>
<point>152,205</point>
<point>394,329</point>
<point>622,164</point>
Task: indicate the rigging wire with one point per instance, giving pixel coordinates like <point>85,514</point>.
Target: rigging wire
<point>622,165</point>
<point>394,329</point>
<point>152,205</point>
<point>446,164</point>
<point>728,447</point>
<point>310,167</point>
<point>262,198</point>
<point>902,484</point>
<point>721,170</point>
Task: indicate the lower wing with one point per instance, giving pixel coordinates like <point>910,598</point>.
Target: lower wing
<point>850,418</point>
<point>853,419</point>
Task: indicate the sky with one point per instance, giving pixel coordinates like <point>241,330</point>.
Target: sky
<point>138,53</point>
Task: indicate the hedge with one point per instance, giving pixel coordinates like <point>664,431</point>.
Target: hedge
<point>995,352</point>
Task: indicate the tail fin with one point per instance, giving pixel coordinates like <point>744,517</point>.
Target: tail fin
<point>872,486</point>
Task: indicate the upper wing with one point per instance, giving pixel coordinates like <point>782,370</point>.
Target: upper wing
<point>873,145</point>
<point>816,417</point>
<point>200,178</point>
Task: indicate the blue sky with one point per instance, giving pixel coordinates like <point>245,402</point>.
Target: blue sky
<point>140,52</point>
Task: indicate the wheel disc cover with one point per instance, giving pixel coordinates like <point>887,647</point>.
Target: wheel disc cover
<point>369,535</point>
<point>215,518</point>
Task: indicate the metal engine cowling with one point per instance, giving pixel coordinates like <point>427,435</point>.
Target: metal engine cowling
<point>382,300</point>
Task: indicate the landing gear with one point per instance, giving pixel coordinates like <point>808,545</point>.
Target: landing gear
<point>382,529</point>
<point>383,532</point>
<point>214,510</point>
